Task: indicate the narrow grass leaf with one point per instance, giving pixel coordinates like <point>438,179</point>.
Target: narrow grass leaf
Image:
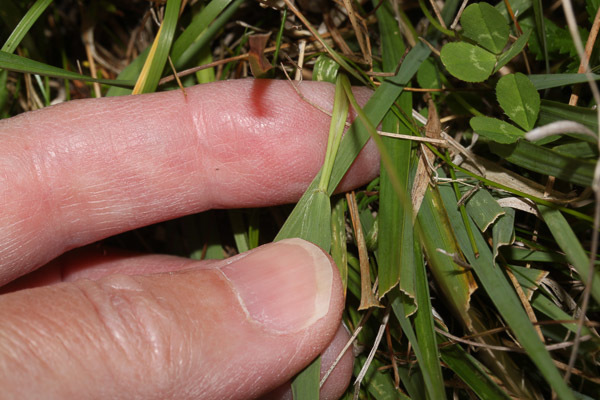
<point>468,62</point>
<point>303,387</point>
<point>17,63</point>
<point>338,239</point>
<point>543,304</point>
<point>513,50</point>
<point>540,25</point>
<point>395,216</point>
<point>546,161</point>
<point>548,81</point>
<point>519,99</point>
<point>532,255</point>
<point>313,222</point>
<point>472,373</point>
<point>430,364</point>
<point>496,130</point>
<point>503,231</point>
<point>483,209</point>
<point>130,72</point>
<point>157,57</point>
<point>568,242</point>
<point>578,150</point>
<point>407,329</point>
<point>185,46</point>
<point>442,250</point>
<point>253,228</point>
<point>339,116</point>
<point>502,294</point>
<point>238,227</point>
<point>551,111</point>
<point>25,25</point>
<point>483,24</point>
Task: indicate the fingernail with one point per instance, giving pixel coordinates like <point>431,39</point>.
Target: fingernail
<point>284,286</point>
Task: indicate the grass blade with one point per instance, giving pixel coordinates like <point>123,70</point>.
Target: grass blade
<point>303,387</point>
<point>25,25</point>
<point>472,373</point>
<point>189,42</point>
<point>430,364</point>
<point>547,161</point>
<point>505,299</point>
<point>17,63</point>
<point>395,217</point>
<point>157,57</point>
<point>568,242</point>
<point>357,135</point>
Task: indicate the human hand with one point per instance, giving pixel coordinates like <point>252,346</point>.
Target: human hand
<point>115,325</point>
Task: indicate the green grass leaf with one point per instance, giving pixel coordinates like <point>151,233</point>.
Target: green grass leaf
<point>547,81</point>
<point>157,57</point>
<point>17,63</point>
<point>505,299</point>
<point>25,25</point>
<point>424,328</point>
<point>339,251</point>
<point>303,387</point>
<point>513,51</point>
<point>568,242</point>
<point>395,256</point>
<point>551,111</point>
<point>455,282</point>
<point>503,231</point>
<point>483,24</point>
<point>190,41</point>
<point>519,99</point>
<point>483,209</point>
<point>472,373</point>
<point>546,161</point>
<point>468,62</point>
<point>496,130</point>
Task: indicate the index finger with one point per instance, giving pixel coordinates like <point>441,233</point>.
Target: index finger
<point>84,170</point>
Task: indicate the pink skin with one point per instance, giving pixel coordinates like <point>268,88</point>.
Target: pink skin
<point>81,171</point>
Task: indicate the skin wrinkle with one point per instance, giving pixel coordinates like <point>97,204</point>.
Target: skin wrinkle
<point>139,316</point>
<point>101,206</point>
<point>133,154</point>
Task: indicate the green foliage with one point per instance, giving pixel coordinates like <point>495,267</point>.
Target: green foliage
<point>484,25</point>
<point>468,62</point>
<point>325,69</point>
<point>519,99</point>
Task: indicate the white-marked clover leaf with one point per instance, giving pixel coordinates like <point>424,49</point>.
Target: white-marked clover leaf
<point>483,24</point>
<point>519,99</point>
<point>495,129</point>
<point>468,62</point>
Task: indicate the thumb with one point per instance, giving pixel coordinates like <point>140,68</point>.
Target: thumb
<point>231,329</point>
